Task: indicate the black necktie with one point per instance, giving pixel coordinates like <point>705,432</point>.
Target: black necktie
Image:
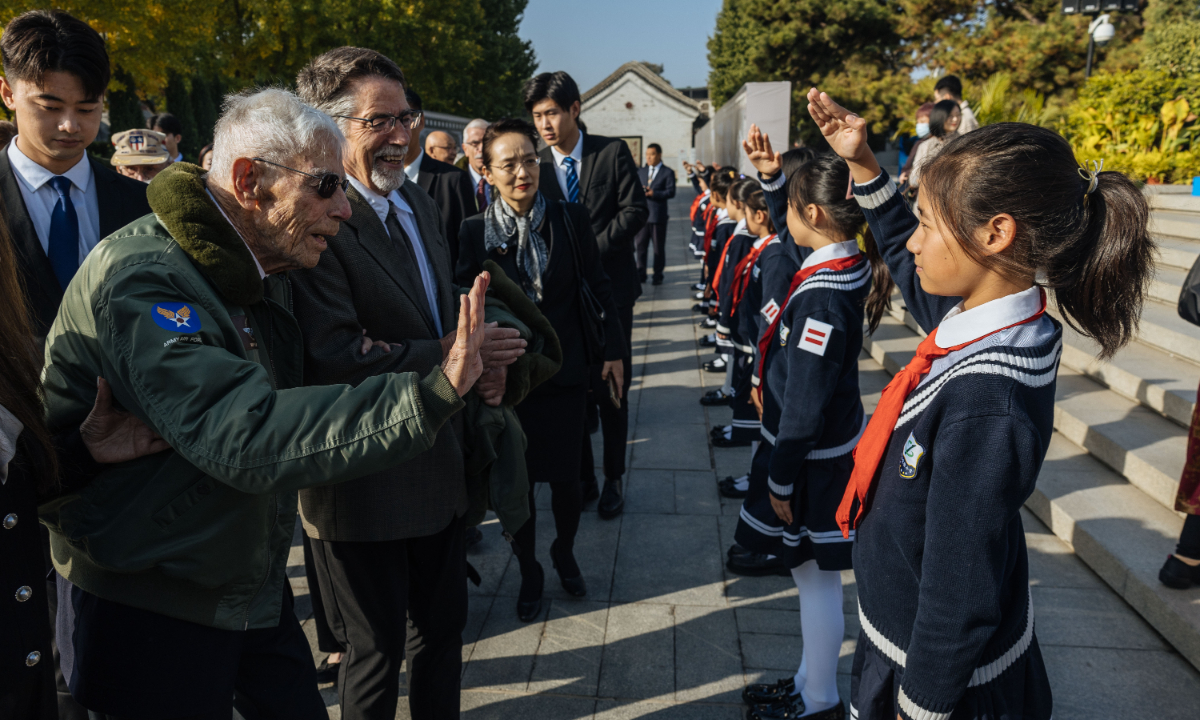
<point>396,230</point>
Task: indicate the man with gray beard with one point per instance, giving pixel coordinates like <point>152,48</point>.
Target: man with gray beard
<point>382,300</point>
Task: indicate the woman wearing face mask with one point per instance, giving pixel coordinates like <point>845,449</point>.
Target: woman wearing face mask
<point>943,125</point>
<point>535,242</point>
<point>914,142</point>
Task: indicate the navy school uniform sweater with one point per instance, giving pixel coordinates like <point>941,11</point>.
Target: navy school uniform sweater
<point>736,249</point>
<point>698,221</point>
<point>812,408</point>
<point>748,321</point>
<point>779,262</point>
<point>720,236</point>
<point>940,557</point>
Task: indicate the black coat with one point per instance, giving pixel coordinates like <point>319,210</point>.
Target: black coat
<point>122,200</point>
<point>451,189</point>
<point>560,299</point>
<point>616,204</point>
<point>664,189</point>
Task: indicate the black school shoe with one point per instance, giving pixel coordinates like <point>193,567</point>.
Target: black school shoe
<point>716,397</point>
<point>1178,575</point>
<point>708,323</point>
<point>770,693</point>
<point>754,564</point>
<point>728,488</point>
<point>792,709</point>
<point>700,307</point>
<point>716,365</point>
<point>709,340</point>
<point>698,286</point>
<point>723,442</point>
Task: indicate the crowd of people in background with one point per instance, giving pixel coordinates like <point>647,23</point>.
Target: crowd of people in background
<point>326,320</point>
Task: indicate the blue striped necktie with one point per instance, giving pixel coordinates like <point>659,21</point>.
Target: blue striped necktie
<point>63,245</point>
<point>572,179</point>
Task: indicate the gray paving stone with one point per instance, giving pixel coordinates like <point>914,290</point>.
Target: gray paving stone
<point>479,705</point>
<point>708,658</point>
<point>1091,683</point>
<point>503,655</point>
<point>628,710</point>
<point>674,559</point>
<point>696,493</point>
<point>639,652</point>
<point>568,659</point>
<point>650,491</point>
<point>1090,618</point>
<point>666,446</point>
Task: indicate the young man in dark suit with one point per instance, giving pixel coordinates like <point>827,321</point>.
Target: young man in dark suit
<point>59,202</point>
<point>449,187</point>
<point>659,183</point>
<point>600,174</point>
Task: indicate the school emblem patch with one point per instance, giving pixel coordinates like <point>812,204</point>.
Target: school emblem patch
<point>910,457</point>
<point>176,317</point>
<point>784,333</point>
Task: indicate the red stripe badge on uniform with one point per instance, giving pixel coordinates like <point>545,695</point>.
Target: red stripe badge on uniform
<point>815,337</point>
<point>770,311</point>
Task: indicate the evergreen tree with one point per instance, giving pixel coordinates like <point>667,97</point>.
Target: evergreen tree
<point>732,50</point>
<point>204,110</point>
<point>179,104</point>
<point>124,107</point>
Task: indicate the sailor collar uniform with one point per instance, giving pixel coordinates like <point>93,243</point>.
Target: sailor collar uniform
<point>940,557</point>
<point>812,413</point>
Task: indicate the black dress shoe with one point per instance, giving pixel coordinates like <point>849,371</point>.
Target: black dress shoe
<point>473,536</point>
<point>756,565</point>
<point>569,573</point>
<point>708,323</point>
<point>716,397</point>
<point>656,281</point>
<point>728,488</point>
<point>718,431</point>
<point>529,601</point>
<point>724,442</point>
<point>612,500</point>
<point>716,365</point>
<point>1179,575</point>
<point>328,673</point>
<point>700,308</point>
<point>709,340</point>
<point>591,489</point>
<point>735,549</point>
<point>792,709</point>
<point>770,693</point>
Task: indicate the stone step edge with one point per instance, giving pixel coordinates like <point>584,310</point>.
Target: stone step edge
<point>1101,550</point>
<point>1122,382</point>
<point>1138,472</point>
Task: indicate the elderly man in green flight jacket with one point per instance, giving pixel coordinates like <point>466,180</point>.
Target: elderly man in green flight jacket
<point>175,594</point>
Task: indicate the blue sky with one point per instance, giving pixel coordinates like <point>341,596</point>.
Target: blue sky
<point>591,38</point>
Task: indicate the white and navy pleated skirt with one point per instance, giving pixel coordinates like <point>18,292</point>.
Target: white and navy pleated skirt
<point>814,532</point>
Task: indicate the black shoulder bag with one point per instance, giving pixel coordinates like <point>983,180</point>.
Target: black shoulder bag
<point>1189,297</point>
<point>591,311</point>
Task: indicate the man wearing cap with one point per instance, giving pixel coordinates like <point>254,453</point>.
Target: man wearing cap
<point>140,154</point>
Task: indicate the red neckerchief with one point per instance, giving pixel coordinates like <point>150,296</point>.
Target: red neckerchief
<point>741,273</point>
<point>716,281</point>
<point>871,448</point>
<point>695,206</point>
<point>710,225</point>
<point>801,275</point>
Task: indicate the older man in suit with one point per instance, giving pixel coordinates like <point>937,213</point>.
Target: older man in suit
<point>449,187</point>
<point>382,300</point>
<point>659,183</point>
<point>599,173</point>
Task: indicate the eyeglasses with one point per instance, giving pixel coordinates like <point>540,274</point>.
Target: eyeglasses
<point>475,144</point>
<point>510,168</point>
<point>386,123</point>
<point>328,183</point>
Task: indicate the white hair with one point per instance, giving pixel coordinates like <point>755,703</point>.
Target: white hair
<point>476,123</point>
<point>274,124</point>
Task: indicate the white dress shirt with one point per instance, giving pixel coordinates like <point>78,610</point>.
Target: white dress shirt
<point>652,172</point>
<point>560,170</point>
<point>408,221</point>
<point>41,197</point>
<point>834,251</point>
<point>414,168</point>
<point>964,326</point>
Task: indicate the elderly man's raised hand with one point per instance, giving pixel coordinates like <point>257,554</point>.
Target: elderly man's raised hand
<point>765,160</point>
<point>462,365</point>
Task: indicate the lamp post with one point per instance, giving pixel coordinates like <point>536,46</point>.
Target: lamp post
<point>1099,33</point>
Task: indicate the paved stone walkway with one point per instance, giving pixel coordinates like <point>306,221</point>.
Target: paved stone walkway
<point>666,632</point>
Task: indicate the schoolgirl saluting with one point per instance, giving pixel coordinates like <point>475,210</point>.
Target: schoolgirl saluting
<point>955,445</point>
<point>812,418</point>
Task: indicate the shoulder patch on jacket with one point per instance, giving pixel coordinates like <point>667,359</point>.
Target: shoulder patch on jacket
<point>176,317</point>
<point>815,336</point>
<point>770,311</point>
<point>910,457</point>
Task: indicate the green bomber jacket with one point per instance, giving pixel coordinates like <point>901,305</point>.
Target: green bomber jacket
<point>171,310</point>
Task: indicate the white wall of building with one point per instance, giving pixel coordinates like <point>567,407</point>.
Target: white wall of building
<point>766,104</point>
<point>633,107</point>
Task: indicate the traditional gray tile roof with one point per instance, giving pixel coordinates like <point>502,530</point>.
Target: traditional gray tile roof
<point>654,79</point>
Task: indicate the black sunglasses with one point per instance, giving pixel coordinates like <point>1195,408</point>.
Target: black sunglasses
<point>327,185</point>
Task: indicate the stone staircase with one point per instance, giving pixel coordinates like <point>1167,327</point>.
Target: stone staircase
<point>1108,484</point>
